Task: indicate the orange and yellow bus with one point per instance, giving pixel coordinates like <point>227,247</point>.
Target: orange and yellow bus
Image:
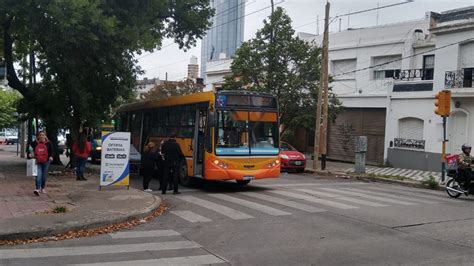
<point>225,135</point>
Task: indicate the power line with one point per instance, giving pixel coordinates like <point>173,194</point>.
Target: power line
<point>409,56</point>
<point>368,10</point>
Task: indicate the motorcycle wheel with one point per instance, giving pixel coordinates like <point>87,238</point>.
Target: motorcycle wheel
<point>453,184</point>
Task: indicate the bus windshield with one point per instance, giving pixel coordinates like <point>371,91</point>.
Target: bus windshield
<point>247,133</point>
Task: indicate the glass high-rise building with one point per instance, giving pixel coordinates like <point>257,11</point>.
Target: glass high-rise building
<point>226,33</point>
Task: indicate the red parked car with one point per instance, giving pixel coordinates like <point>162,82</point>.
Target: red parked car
<point>291,159</point>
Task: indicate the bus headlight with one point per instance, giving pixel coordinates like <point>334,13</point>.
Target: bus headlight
<point>273,164</point>
<point>221,164</point>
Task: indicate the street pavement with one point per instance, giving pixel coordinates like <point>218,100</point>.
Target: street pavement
<point>297,219</point>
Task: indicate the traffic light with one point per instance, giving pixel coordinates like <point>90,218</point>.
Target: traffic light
<point>443,103</point>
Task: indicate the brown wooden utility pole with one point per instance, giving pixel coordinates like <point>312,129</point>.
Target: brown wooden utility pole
<point>324,131</point>
<point>320,131</point>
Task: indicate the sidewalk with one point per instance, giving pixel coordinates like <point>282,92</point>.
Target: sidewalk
<point>341,167</point>
<point>24,215</point>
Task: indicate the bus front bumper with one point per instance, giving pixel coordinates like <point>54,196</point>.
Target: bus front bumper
<point>216,173</point>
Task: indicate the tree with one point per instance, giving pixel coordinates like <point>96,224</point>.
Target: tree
<point>84,50</point>
<point>278,62</point>
<point>172,88</point>
<point>8,106</point>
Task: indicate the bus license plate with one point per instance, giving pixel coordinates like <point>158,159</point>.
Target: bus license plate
<point>248,177</point>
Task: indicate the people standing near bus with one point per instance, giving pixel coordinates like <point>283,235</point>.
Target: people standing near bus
<point>41,151</point>
<point>173,155</point>
<point>149,164</point>
<point>81,149</point>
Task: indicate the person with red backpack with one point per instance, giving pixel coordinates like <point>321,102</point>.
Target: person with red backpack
<point>42,152</point>
<point>81,149</point>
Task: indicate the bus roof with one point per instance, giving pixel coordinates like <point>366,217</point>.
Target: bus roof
<point>185,99</point>
<point>176,100</point>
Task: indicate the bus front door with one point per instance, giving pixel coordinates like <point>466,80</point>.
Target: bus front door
<point>198,142</point>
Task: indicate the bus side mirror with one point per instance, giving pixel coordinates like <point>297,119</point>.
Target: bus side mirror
<point>211,120</point>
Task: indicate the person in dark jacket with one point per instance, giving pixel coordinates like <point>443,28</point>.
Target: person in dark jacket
<point>173,156</point>
<point>42,151</point>
<point>149,163</point>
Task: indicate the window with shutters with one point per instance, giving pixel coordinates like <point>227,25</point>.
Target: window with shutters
<point>343,69</point>
<point>428,67</point>
<point>410,133</point>
<point>386,67</point>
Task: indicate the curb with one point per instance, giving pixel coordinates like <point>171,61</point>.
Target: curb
<point>365,178</point>
<point>85,225</point>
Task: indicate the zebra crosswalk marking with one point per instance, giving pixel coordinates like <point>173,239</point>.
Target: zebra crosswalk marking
<point>138,234</point>
<point>226,211</point>
<point>250,204</point>
<point>391,196</point>
<point>315,200</point>
<point>189,260</point>
<point>191,216</point>
<point>353,200</point>
<point>284,202</point>
<point>418,194</point>
<point>94,250</point>
<point>362,195</point>
<point>385,171</point>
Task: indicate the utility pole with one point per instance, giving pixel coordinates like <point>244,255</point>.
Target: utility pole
<point>325,77</point>
<point>319,140</point>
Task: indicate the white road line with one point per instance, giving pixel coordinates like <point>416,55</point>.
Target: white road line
<point>315,200</point>
<point>94,250</point>
<point>229,212</point>
<point>391,196</point>
<point>392,171</point>
<point>139,234</point>
<point>190,260</point>
<point>418,194</point>
<point>406,172</point>
<point>284,202</point>
<point>353,200</point>
<point>290,184</point>
<point>371,170</point>
<point>191,216</point>
<point>250,204</point>
<point>362,195</point>
<point>382,170</point>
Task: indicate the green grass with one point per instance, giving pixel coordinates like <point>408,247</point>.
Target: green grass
<point>431,183</point>
<point>60,209</point>
<point>393,177</point>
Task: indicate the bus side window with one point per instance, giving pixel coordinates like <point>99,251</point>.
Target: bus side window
<point>209,131</point>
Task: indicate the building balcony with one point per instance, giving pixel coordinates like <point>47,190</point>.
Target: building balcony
<point>413,80</point>
<point>459,78</point>
<point>414,74</point>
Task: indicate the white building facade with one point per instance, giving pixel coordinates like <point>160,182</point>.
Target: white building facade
<point>394,71</point>
<point>364,64</point>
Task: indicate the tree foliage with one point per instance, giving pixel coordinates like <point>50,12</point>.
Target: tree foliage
<point>85,49</point>
<point>8,106</point>
<point>172,88</point>
<point>278,62</point>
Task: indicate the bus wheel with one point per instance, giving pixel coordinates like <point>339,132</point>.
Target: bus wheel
<point>242,182</point>
<point>184,178</point>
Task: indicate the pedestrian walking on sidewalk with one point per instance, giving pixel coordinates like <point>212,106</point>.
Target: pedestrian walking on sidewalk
<point>41,150</point>
<point>81,149</point>
<point>173,156</point>
<point>149,164</point>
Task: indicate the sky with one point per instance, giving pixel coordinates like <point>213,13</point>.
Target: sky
<point>304,13</point>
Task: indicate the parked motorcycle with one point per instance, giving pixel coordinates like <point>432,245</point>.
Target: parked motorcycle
<point>454,188</point>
